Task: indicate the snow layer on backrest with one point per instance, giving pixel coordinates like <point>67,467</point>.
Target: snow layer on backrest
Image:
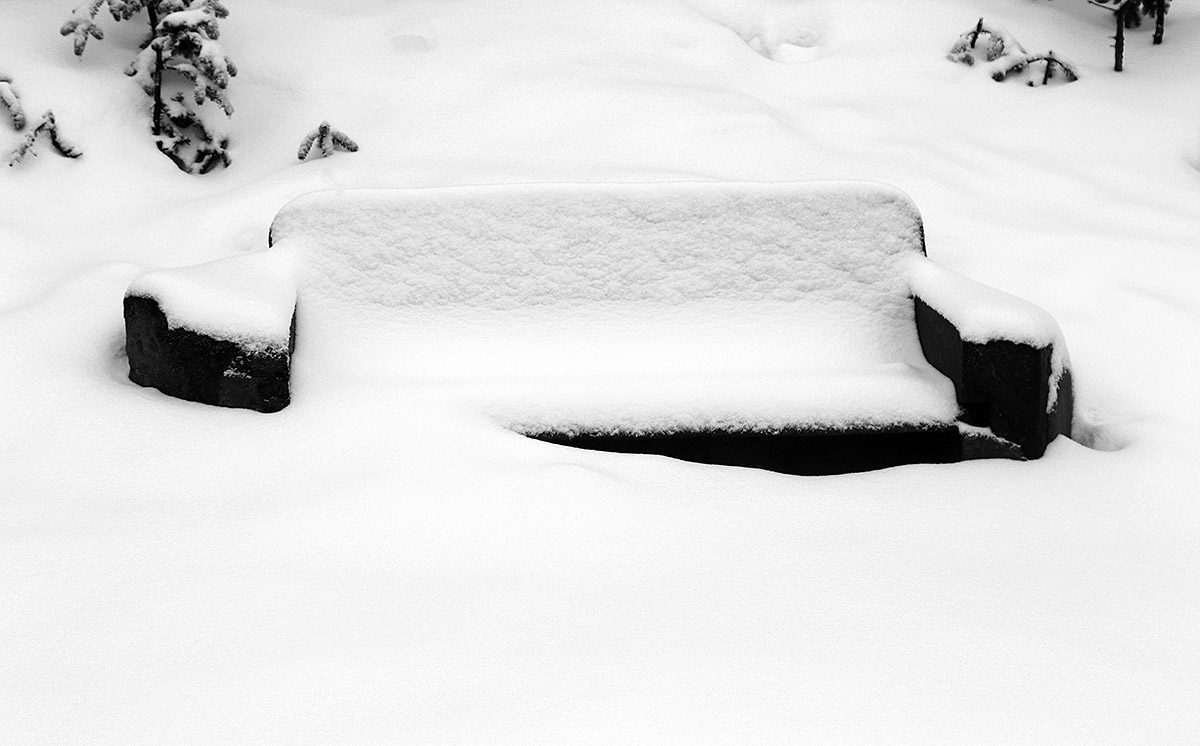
<point>521,246</point>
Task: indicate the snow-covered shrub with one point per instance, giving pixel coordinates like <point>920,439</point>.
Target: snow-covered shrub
<point>327,139</point>
<point>181,67</point>
<point>9,100</point>
<point>48,127</point>
<point>1041,69</point>
<point>996,43</point>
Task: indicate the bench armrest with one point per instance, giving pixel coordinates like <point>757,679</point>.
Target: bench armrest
<point>1006,357</point>
<point>218,333</point>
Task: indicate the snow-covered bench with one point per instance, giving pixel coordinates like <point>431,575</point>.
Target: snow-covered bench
<point>794,326</point>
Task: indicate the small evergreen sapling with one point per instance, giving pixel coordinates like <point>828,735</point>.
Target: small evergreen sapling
<point>1007,58</point>
<point>327,139</point>
<point>48,127</point>
<point>11,101</point>
<point>180,57</point>
<point>1052,69</point>
<point>996,43</point>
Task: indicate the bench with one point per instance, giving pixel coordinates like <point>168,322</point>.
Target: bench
<point>791,326</point>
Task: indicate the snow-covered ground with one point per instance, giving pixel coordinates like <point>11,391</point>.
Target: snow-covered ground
<point>369,566</point>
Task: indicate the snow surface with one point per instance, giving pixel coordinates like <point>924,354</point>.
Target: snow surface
<point>372,565</point>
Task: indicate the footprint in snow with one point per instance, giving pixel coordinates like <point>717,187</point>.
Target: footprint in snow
<point>790,48</point>
<point>409,38</point>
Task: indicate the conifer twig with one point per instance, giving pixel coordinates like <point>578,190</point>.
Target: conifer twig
<point>45,126</point>
<point>1056,68</point>
<point>11,101</point>
<point>327,139</point>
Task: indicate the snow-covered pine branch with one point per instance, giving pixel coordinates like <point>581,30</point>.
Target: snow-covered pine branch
<point>82,25</point>
<point>996,43</point>
<point>123,10</point>
<point>48,127</point>
<point>185,132</point>
<point>144,68</point>
<point>214,152</point>
<point>199,18</point>
<point>178,117</point>
<point>327,139</point>
<point>201,61</point>
<point>11,101</point>
<point>209,71</point>
<point>1054,69</point>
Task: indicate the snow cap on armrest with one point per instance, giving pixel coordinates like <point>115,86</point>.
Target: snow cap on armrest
<point>981,313</point>
<point>247,298</point>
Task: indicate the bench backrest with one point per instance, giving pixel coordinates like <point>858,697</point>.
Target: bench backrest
<point>520,246</point>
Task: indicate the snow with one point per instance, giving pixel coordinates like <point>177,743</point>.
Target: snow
<point>376,564</point>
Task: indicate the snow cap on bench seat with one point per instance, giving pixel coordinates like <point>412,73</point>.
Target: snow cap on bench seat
<point>246,298</point>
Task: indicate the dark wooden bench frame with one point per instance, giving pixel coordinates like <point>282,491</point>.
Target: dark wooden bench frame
<point>1004,389</point>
